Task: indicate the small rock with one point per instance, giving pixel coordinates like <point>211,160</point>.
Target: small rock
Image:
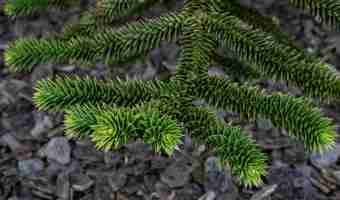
<point>170,53</point>
<point>336,175</point>
<point>218,180</point>
<point>264,124</point>
<point>326,159</point>
<point>212,164</point>
<point>321,185</point>
<point>162,190</point>
<point>199,102</point>
<point>10,141</point>
<point>54,168</point>
<point>210,195</point>
<point>121,196</point>
<point>3,46</point>
<point>138,151</point>
<point>149,72</point>
<point>150,181</point>
<point>80,182</point>
<point>30,167</point>
<point>40,186</point>
<point>215,177</point>
<point>111,158</point>
<point>221,114</point>
<point>216,71</point>
<point>117,181</point>
<point>190,191</point>
<point>291,184</point>
<point>40,72</point>
<point>176,175</point>
<point>42,125</point>
<point>87,153</point>
<point>63,186</point>
<point>132,186</point>
<point>42,195</point>
<point>138,169</point>
<point>265,192</point>
<point>102,189</point>
<point>20,150</point>
<point>58,149</point>
<point>187,142</point>
<point>159,162</point>
<point>67,68</point>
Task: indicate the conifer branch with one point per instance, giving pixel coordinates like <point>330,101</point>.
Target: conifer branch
<point>111,45</point>
<point>243,155</point>
<point>298,116</point>
<point>27,7</point>
<point>234,68</point>
<point>138,38</point>
<point>196,53</point>
<point>116,9</point>
<point>276,60</point>
<point>24,54</point>
<point>80,118</point>
<point>112,112</point>
<point>204,127</point>
<point>327,10</point>
<point>230,143</point>
<point>253,18</point>
<point>104,15</point>
<point>110,127</point>
<point>89,24</point>
<point>64,92</point>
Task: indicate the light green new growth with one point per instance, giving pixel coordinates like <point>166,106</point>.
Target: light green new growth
<point>113,112</point>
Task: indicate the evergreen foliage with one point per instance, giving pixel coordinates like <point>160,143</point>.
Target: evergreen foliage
<point>23,7</point>
<point>113,112</point>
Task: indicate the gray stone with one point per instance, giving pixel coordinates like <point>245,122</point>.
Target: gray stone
<point>177,174</point>
<point>40,72</point>
<point>58,149</point>
<point>291,184</point>
<point>54,168</point>
<point>112,158</point>
<point>21,151</point>
<point>264,124</point>
<point>63,186</point>
<point>212,164</point>
<point>216,71</point>
<point>326,159</point>
<point>80,182</point>
<point>219,180</point>
<point>210,195</point>
<point>336,175</point>
<point>149,72</point>
<point>30,167</point>
<point>10,141</point>
<point>199,102</point>
<point>189,191</point>
<point>117,181</point>
<point>163,191</point>
<point>102,189</point>
<point>87,153</point>
<point>138,151</point>
<point>42,124</point>
<point>264,193</point>
<point>3,46</point>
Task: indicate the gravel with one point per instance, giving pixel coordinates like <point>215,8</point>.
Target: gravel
<point>58,149</point>
<point>37,162</point>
